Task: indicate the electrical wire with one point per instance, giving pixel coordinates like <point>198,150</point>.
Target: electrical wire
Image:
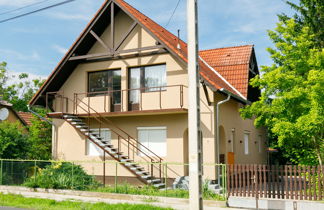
<point>20,8</point>
<point>175,9</point>
<point>35,11</point>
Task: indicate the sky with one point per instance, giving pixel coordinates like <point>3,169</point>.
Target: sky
<point>36,43</point>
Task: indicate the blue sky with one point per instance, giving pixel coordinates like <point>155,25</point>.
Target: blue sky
<point>36,43</point>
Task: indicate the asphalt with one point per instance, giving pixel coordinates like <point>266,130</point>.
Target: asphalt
<point>10,208</point>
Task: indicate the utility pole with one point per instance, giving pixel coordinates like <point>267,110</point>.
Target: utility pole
<point>195,150</point>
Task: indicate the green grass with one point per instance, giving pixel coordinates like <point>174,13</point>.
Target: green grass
<point>151,191</point>
<point>46,204</point>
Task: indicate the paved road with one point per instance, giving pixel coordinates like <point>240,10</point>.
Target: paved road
<point>9,208</point>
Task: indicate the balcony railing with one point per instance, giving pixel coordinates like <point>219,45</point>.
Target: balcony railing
<point>171,97</point>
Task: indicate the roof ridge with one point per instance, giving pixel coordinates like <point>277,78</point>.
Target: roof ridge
<point>237,46</point>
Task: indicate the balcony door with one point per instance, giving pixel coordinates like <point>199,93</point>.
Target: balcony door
<point>145,79</point>
<point>107,83</point>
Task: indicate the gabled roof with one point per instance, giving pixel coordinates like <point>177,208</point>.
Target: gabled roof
<point>25,117</point>
<point>5,103</point>
<point>167,39</point>
<point>232,63</point>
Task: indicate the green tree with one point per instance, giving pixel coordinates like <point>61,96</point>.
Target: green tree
<point>310,13</point>
<point>13,141</point>
<point>39,140</point>
<point>19,93</point>
<point>291,103</point>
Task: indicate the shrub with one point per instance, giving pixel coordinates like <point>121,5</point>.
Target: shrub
<point>62,175</point>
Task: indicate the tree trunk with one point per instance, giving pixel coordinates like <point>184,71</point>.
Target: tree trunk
<point>318,151</point>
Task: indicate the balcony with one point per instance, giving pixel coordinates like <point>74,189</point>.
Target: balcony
<point>139,101</point>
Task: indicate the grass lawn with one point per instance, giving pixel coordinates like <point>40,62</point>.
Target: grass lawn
<point>151,191</point>
<point>46,204</point>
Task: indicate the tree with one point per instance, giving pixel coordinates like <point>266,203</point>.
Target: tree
<point>18,93</point>
<point>310,13</point>
<point>291,103</point>
<point>39,140</point>
<point>13,141</point>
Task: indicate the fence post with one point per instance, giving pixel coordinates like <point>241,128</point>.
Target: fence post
<point>165,177</point>
<point>224,180</point>
<point>72,175</point>
<point>116,166</point>
<point>1,172</point>
<point>35,171</point>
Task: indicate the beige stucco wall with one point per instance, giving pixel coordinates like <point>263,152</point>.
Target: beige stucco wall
<point>68,144</point>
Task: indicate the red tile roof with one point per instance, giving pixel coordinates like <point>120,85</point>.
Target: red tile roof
<point>26,117</point>
<point>171,41</point>
<point>232,63</point>
<point>168,39</point>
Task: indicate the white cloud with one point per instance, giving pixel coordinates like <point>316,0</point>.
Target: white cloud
<point>59,49</point>
<point>34,56</point>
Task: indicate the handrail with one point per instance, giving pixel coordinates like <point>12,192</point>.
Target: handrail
<point>156,89</point>
<point>121,130</point>
<point>159,159</point>
<point>132,89</point>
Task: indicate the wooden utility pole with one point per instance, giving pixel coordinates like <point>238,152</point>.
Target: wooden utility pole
<point>195,150</point>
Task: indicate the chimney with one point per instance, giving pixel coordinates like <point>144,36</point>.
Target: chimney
<point>178,45</point>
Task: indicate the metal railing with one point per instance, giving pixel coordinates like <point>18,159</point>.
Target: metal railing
<point>125,101</point>
<point>133,146</point>
<point>107,173</point>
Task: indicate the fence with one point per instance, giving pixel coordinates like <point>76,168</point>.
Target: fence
<point>280,182</point>
<point>111,174</point>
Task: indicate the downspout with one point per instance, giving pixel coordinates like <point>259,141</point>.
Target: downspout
<point>38,115</point>
<point>217,136</point>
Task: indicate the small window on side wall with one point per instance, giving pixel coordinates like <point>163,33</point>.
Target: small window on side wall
<point>93,149</point>
<point>246,143</point>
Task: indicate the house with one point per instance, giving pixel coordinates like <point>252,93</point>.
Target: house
<point>120,93</point>
<point>7,113</point>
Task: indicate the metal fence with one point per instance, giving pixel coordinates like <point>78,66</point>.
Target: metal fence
<point>111,175</point>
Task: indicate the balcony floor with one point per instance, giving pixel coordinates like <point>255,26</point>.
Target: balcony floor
<point>126,113</point>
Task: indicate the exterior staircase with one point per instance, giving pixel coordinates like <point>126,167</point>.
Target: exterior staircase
<point>116,153</point>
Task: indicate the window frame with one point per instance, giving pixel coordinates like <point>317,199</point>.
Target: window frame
<point>246,143</point>
<point>142,87</point>
<point>110,85</point>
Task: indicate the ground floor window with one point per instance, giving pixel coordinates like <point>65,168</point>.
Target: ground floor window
<point>153,138</point>
<point>93,149</point>
<point>246,143</point>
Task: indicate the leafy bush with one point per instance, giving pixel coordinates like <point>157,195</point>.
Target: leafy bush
<point>62,175</point>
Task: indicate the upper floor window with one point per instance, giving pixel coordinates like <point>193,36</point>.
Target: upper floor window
<point>148,78</point>
<point>103,81</point>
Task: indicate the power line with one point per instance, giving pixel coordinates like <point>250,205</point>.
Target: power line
<point>175,9</point>
<point>20,8</point>
<point>35,11</point>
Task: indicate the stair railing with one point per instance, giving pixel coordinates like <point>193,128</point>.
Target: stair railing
<point>128,141</point>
